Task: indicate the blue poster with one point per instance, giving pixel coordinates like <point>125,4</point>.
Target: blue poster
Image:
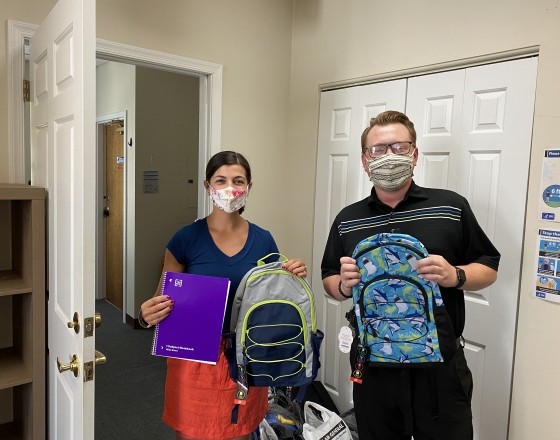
<point>547,271</point>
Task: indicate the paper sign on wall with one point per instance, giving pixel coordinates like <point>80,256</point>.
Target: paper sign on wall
<point>547,279</point>
<point>151,182</point>
<point>549,198</point>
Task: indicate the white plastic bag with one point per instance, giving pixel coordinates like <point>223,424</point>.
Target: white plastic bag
<point>328,427</point>
<point>266,432</point>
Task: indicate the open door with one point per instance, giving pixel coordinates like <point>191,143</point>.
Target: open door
<point>62,69</point>
<point>113,212</point>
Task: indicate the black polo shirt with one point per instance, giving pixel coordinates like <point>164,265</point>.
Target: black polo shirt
<point>441,219</point>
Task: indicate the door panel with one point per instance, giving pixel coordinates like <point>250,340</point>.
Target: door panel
<point>435,106</point>
<point>495,153</point>
<point>375,99</point>
<point>336,187</point>
<point>340,181</point>
<point>62,82</point>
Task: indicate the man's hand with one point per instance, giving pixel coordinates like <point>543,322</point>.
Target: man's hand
<point>436,268</point>
<point>349,272</point>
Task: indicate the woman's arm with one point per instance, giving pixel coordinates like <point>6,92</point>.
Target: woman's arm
<point>158,307</point>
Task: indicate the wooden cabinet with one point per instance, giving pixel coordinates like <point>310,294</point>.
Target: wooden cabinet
<point>22,305</point>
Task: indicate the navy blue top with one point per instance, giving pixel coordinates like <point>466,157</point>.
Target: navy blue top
<point>193,247</point>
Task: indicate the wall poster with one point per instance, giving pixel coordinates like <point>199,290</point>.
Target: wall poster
<point>549,199</point>
<point>547,279</point>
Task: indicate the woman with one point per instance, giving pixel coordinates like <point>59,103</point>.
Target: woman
<point>199,398</point>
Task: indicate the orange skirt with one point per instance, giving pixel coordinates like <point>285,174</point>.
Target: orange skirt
<point>199,401</point>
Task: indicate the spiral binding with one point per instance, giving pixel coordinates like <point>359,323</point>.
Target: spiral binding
<point>154,341</point>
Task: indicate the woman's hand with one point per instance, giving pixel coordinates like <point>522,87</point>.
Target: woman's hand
<point>296,266</point>
<point>156,309</point>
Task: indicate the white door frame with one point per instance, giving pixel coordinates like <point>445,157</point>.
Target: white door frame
<point>100,230</point>
<point>210,74</point>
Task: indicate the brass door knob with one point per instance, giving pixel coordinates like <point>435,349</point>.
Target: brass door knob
<point>100,358</point>
<point>97,319</point>
<point>73,366</point>
<point>75,324</point>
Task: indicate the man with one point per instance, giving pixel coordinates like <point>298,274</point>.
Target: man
<point>428,403</point>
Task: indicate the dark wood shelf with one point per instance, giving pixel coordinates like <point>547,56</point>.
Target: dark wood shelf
<point>12,370</point>
<point>12,283</point>
<point>10,431</point>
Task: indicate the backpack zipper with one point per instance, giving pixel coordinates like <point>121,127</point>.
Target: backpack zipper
<point>389,277</point>
<point>272,301</point>
<point>304,285</point>
<point>410,248</point>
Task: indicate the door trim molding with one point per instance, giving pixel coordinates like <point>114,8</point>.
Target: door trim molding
<point>433,68</point>
<point>18,32</point>
<point>210,101</point>
<point>210,75</point>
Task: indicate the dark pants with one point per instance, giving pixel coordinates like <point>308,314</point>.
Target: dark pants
<point>429,403</point>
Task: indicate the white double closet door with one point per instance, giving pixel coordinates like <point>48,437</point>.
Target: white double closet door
<point>474,129</point>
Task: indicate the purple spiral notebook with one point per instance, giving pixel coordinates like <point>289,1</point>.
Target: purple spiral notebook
<point>193,329</point>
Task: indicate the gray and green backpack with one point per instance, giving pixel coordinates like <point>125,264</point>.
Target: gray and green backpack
<point>276,337</point>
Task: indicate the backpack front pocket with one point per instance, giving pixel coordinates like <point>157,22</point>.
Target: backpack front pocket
<point>273,340</point>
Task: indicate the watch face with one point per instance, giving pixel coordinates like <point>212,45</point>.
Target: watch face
<point>461,277</point>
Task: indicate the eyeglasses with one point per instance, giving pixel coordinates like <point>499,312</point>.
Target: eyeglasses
<point>396,148</point>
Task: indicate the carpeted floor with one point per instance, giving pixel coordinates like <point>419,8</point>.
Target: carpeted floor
<point>129,387</point>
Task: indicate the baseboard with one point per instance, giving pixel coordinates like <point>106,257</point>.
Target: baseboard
<point>132,322</point>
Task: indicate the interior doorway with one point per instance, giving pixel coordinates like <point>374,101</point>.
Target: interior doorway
<point>113,214</point>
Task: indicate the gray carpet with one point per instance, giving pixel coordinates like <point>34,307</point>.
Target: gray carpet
<point>129,388</point>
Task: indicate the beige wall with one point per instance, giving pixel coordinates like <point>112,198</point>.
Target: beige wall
<point>339,40</point>
<point>167,132</point>
<point>252,40</point>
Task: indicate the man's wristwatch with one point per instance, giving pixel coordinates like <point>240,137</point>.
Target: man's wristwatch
<point>461,277</point>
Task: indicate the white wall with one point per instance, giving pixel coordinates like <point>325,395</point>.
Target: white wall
<point>167,107</point>
<point>116,92</point>
<point>340,40</point>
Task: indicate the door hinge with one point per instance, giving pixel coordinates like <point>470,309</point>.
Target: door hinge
<point>26,91</point>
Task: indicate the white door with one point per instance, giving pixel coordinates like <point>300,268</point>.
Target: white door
<point>474,136</point>
<point>340,181</point>
<point>495,152</point>
<point>64,162</point>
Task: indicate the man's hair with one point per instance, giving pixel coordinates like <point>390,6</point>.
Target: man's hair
<point>387,118</point>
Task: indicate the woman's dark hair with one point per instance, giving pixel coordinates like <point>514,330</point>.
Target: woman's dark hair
<point>227,158</point>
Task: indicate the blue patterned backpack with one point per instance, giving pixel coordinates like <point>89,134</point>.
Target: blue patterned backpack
<point>400,317</point>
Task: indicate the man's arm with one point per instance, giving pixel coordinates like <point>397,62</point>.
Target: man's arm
<point>349,277</point>
<point>436,268</point>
